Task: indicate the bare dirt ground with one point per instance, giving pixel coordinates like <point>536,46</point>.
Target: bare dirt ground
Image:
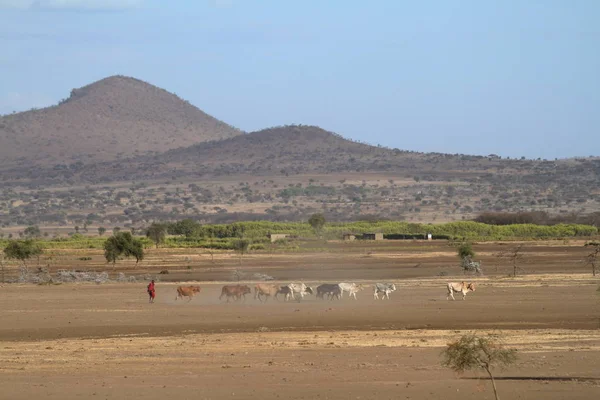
<point>75,341</point>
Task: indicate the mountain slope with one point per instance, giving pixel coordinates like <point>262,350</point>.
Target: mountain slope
<point>291,172</point>
<point>106,120</point>
<point>291,149</point>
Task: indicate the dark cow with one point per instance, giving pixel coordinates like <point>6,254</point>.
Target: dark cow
<point>286,291</point>
<point>187,291</point>
<point>330,289</point>
<point>236,291</point>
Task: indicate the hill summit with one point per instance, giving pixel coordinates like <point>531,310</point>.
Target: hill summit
<point>112,118</point>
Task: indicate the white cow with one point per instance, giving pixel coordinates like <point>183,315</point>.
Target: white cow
<point>351,288</point>
<point>385,288</point>
<point>298,288</point>
<point>461,287</point>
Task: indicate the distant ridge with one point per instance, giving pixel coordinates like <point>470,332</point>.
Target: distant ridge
<point>113,118</point>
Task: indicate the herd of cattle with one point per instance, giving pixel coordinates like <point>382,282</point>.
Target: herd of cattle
<point>297,291</point>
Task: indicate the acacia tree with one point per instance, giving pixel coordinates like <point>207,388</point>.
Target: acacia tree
<point>187,227</point>
<point>210,248</point>
<point>317,222</point>
<point>123,244</point>
<point>464,250</point>
<point>592,258</point>
<point>101,230</point>
<point>2,266</point>
<point>514,255</point>
<point>32,231</point>
<point>157,233</point>
<point>242,246</point>
<point>472,352</point>
<point>22,250</point>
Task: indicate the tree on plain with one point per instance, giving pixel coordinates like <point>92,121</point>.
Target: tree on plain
<point>32,231</point>
<point>123,245</point>
<point>23,250</point>
<point>592,258</point>
<point>464,250</point>
<point>317,222</point>
<point>471,352</point>
<point>241,245</point>
<point>514,255</point>
<point>157,232</point>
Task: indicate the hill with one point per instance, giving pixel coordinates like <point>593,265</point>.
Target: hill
<point>110,119</point>
<point>288,173</point>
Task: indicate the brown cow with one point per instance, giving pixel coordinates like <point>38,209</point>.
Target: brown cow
<point>265,289</point>
<point>236,291</point>
<point>187,291</point>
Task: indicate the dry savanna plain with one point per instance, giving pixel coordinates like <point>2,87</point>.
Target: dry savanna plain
<point>105,341</point>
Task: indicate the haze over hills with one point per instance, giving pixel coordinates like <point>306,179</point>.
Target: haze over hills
<point>112,118</point>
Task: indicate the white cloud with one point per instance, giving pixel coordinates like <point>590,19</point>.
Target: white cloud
<point>71,4</point>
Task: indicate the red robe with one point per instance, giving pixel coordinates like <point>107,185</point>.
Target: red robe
<point>151,290</point>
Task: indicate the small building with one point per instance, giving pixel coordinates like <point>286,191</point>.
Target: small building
<point>348,237</point>
<point>373,236</point>
<point>429,236</point>
<point>277,236</point>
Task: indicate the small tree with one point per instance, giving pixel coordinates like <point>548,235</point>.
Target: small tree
<point>472,352</point>
<point>186,227</point>
<point>157,233</point>
<point>32,231</point>
<point>515,255</point>
<point>101,230</point>
<point>22,250</point>
<point>242,246</point>
<point>2,267</point>
<point>317,222</point>
<point>592,258</point>
<point>210,247</point>
<point>123,244</point>
<point>464,250</point>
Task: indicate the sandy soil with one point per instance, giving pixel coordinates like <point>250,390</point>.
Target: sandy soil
<point>74,341</point>
<point>106,341</point>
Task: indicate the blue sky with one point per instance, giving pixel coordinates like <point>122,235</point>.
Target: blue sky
<point>511,77</point>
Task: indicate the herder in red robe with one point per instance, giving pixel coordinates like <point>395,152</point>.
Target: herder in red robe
<point>151,291</point>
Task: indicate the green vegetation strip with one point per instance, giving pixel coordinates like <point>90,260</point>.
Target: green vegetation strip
<point>192,234</point>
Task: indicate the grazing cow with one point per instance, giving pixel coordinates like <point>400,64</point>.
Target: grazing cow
<point>330,289</point>
<point>264,289</point>
<point>300,289</point>
<point>187,291</point>
<point>385,288</point>
<point>351,288</point>
<point>236,291</point>
<point>462,287</point>
<point>285,291</point>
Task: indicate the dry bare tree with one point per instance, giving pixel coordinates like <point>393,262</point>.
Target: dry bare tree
<point>515,255</point>
<point>592,258</point>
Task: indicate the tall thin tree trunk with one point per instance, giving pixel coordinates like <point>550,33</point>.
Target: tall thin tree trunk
<point>493,382</point>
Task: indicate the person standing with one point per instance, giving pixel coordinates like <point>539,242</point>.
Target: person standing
<point>151,291</point>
